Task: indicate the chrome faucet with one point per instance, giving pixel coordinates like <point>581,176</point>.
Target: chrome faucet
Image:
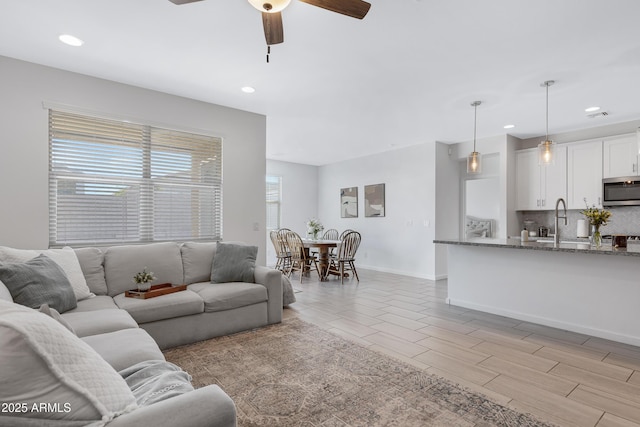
<point>556,238</point>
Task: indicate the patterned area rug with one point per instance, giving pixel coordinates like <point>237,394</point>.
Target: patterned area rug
<point>297,374</point>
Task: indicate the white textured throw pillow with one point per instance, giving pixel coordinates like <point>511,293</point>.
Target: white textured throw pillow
<point>54,374</point>
<point>66,258</point>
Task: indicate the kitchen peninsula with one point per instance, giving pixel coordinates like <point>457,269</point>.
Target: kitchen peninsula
<point>570,286</point>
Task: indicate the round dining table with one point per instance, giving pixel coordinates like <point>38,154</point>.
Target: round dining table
<point>323,247</point>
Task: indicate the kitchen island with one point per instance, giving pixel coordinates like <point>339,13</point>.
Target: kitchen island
<point>570,286</point>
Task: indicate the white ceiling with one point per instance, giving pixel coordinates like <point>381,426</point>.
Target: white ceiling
<point>340,88</point>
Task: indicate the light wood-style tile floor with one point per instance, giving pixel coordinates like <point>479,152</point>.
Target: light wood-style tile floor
<point>564,377</point>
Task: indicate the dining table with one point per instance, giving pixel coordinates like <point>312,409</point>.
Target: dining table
<point>323,246</point>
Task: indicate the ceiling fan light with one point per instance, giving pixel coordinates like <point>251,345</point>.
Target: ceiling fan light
<point>270,6</point>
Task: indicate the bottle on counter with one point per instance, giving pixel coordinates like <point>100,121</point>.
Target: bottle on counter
<point>524,235</point>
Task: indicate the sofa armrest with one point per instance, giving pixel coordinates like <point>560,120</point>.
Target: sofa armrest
<point>207,406</point>
<point>272,280</point>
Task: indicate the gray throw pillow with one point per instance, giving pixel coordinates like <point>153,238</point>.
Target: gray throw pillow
<point>234,263</point>
<point>39,281</point>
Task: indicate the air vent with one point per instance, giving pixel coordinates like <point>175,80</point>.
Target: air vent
<point>598,114</point>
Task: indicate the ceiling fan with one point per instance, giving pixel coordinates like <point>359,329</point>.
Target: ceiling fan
<point>272,17</point>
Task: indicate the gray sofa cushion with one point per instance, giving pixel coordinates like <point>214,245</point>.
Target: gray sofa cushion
<point>234,263</point>
<point>227,296</point>
<point>197,259</point>
<point>91,260</point>
<point>138,344</point>
<point>99,302</point>
<point>168,306</point>
<point>95,322</point>
<point>121,263</point>
<point>39,281</point>
<point>53,313</point>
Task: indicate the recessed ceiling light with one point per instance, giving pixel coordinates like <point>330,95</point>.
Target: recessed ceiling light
<point>509,126</point>
<point>70,40</point>
<point>591,109</point>
<point>248,89</point>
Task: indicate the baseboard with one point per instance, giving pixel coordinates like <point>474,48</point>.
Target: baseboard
<point>626,339</point>
<point>402,273</point>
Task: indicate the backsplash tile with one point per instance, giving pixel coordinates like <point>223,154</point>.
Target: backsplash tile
<point>624,220</point>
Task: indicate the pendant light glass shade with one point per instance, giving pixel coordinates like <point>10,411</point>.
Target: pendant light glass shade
<point>474,160</point>
<point>546,149</point>
<point>474,163</point>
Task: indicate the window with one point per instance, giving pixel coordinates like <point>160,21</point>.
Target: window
<point>120,182</point>
<point>273,202</point>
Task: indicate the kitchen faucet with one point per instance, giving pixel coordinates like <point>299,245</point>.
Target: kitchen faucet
<point>556,238</point>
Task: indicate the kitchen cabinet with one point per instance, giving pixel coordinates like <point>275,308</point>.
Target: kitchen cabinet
<point>538,187</point>
<point>584,174</point>
<point>620,156</point>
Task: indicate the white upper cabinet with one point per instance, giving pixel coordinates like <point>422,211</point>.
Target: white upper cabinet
<point>538,187</point>
<point>584,174</point>
<point>620,156</point>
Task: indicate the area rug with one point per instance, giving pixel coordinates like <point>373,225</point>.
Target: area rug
<point>297,374</point>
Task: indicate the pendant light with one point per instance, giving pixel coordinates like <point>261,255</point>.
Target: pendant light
<point>474,161</point>
<point>546,148</point>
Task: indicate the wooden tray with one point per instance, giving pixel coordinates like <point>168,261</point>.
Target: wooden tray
<point>155,291</point>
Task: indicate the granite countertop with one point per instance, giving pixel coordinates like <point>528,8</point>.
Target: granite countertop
<point>576,247</point>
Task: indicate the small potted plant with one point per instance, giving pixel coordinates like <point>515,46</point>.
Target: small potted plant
<point>144,279</point>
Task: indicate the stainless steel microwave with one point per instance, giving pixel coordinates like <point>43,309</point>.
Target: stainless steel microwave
<point>623,191</point>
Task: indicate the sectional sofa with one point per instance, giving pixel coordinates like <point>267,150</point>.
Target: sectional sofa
<point>225,293</point>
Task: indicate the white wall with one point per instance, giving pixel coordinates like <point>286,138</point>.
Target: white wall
<point>299,197</point>
<point>446,203</point>
<point>24,146</point>
<point>400,242</point>
<point>504,147</point>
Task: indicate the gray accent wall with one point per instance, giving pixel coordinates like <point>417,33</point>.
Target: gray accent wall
<point>24,146</point>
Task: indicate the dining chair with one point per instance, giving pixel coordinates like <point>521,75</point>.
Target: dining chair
<point>348,230</point>
<point>330,234</point>
<point>282,252</point>
<point>345,256</point>
<point>284,249</point>
<point>300,260</point>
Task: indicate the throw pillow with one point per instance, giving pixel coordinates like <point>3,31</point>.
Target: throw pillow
<point>66,258</point>
<point>53,313</point>
<point>4,293</point>
<point>50,365</point>
<point>39,281</point>
<point>234,263</point>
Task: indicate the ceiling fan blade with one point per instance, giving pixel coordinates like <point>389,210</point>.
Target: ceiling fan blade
<point>353,8</point>
<point>273,30</point>
<point>183,1</point>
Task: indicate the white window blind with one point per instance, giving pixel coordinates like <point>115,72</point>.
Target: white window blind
<point>273,202</point>
<point>119,182</point>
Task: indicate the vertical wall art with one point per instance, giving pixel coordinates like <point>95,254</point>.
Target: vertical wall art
<point>374,200</point>
<point>349,202</point>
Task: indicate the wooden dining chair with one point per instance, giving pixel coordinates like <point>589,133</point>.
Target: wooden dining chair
<point>283,255</point>
<point>348,230</point>
<point>344,259</point>
<point>330,234</point>
<point>300,260</point>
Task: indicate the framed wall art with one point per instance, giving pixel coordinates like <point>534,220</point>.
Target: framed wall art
<point>374,200</point>
<point>349,202</point>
